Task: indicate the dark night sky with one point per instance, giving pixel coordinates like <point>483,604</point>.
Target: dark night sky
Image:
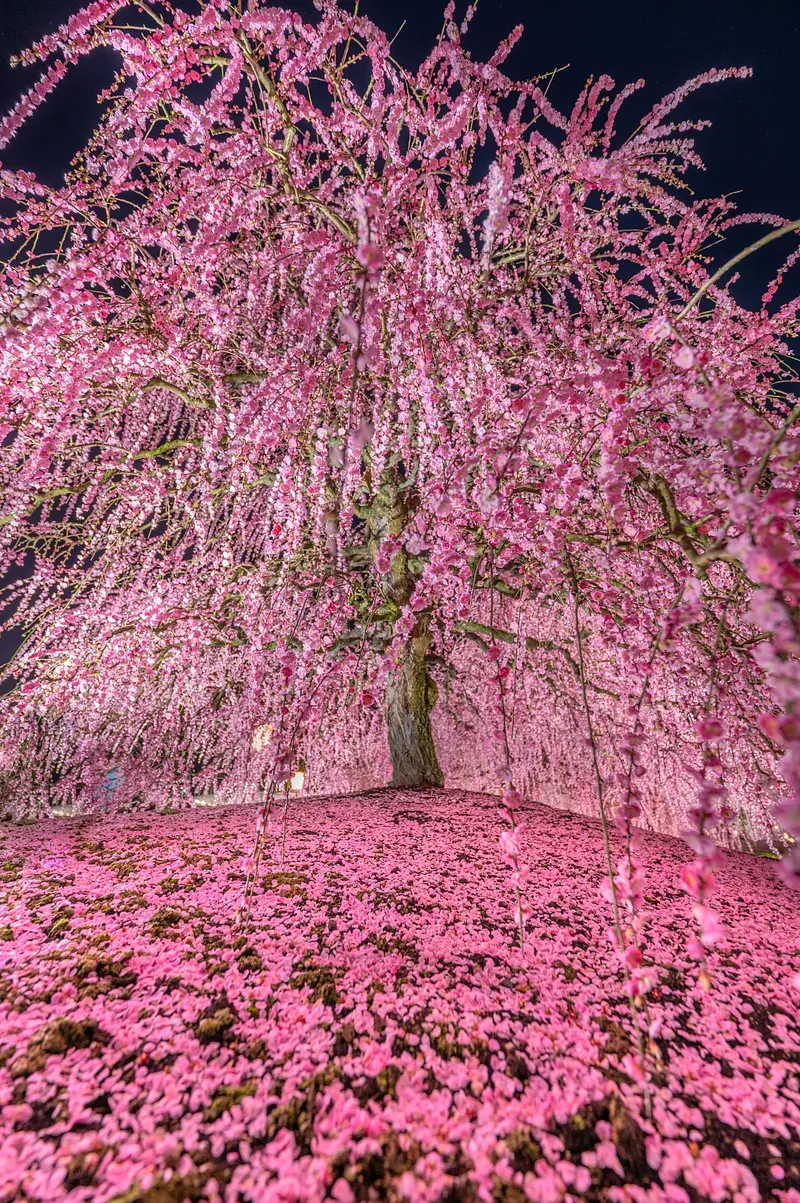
<point>752,147</point>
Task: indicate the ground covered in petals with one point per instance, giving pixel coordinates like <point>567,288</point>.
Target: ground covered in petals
<point>375,1033</point>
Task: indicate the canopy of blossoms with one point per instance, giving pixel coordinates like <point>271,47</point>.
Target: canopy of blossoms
<point>333,394</point>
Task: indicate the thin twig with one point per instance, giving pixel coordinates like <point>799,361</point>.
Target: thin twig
<point>726,267</point>
<point>604,824</point>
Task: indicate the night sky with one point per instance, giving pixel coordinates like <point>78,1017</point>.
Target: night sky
<point>752,147</point>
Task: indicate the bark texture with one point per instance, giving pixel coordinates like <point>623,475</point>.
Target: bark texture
<point>412,695</point>
<point>412,692</point>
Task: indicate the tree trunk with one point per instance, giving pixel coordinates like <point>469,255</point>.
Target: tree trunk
<point>411,696</point>
<point>411,693</point>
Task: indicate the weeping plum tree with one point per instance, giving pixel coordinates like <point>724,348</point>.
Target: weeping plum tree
<point>321,378</point>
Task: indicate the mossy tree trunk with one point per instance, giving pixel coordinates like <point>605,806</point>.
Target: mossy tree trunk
<point>412,692</point>
<point>411,696</point>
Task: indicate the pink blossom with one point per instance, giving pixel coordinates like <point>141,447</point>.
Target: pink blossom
<point>684,357</point>
<point>710,728</point>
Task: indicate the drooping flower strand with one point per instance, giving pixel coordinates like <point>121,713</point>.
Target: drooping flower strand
<point>697,879</point>
<point>770,560</point>
<point>511,852</point>
<point>283,759</point>
<point>630,808</point>
<point>775,607</point>
<point>624,887</point>
<point>628,878</point>
<point>643,976</point>
<point>510,798</point>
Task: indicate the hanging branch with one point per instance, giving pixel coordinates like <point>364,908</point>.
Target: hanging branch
<point>621,943</point>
